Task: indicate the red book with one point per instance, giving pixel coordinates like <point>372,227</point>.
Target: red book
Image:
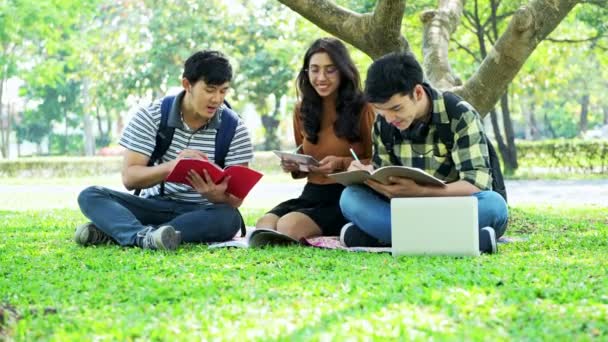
<point>242,180</point>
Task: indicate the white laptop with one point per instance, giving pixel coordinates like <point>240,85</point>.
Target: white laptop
<point>435,226</point>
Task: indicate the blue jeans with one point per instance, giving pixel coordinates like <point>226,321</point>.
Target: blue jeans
<point>122,215</point>
<point>371,212</point>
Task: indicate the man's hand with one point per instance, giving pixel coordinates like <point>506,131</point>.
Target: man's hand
<point>215,193</point>
<point>188,154</point>
<point>357,165</point>
<point>399,187</point>
<point>327,165</point>
<point>192,154</point>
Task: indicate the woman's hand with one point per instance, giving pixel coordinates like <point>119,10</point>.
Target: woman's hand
<point>289,166</point>
<point>327,165</point>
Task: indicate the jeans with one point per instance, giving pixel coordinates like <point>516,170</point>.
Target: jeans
<point>371,212</point>
<point>122,215</point>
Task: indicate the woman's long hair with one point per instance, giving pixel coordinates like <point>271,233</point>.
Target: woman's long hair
<point>349,100</point>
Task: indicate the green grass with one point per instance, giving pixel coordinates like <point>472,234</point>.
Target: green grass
<point>550,286</point>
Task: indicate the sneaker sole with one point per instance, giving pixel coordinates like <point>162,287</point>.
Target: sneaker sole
<point>492,240</point>
<point>168,239</point>
<point>342,233</point>
<point>81,236</point>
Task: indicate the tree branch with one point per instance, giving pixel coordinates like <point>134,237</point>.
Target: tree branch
<point>367,32</point>
<point>575,41</point>
<point>530,25</point>
<point>467,50</point>
<point>438,27</point>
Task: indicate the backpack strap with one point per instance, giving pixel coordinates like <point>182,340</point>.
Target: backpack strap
<point>164,136</point>
<point>225,134</point>
<point>389,134</point>
<point>223,138</point>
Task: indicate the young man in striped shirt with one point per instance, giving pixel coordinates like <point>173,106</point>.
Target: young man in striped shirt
<point>201,213</point>
<point>415,113</point>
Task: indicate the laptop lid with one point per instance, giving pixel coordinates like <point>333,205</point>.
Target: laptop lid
<point>435,226</point>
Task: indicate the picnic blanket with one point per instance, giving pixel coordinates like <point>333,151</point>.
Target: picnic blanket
<point>330,242</point>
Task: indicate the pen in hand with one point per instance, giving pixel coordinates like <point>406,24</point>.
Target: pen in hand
<point>356,164</point>
<point>354,154</point>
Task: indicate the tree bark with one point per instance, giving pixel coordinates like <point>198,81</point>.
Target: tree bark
<point>439,25</point>
<point>376,34</point>
<point>530,24</point>
<point>379,33</point>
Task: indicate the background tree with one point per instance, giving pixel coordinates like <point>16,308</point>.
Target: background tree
<point>265,45</point>
<point>379,32</point>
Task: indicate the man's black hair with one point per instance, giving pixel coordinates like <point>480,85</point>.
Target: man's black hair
<point>208,65</point>
<point>394,73</point>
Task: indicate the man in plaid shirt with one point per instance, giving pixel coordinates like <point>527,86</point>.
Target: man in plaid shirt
<point>413,112</point>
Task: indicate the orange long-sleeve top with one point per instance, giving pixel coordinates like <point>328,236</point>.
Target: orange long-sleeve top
<point>331,145</point>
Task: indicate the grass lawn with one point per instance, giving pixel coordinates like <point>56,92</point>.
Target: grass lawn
<point>554,285</point>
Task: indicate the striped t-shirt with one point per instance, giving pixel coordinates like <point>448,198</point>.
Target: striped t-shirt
<point>140,136</point>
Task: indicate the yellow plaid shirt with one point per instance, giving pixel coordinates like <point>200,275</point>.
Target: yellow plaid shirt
<point>467,160</point>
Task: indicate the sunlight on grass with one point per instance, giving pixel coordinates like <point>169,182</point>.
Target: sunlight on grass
<point>548,285</point>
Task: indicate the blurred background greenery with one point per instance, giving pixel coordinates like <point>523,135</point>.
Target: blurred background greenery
<point>71,72</point>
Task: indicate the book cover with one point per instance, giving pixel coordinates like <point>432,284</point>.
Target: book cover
<point>242,180</point>
<point>382,174</point>
<point>304,161</point>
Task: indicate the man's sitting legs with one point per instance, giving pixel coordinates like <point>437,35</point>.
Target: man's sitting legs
<point>127,219</point>
<point>370,214</point>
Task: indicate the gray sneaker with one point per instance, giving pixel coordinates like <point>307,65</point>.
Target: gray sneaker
<point>88,234</point>
<point>162,238</point>
<point>487,241</point>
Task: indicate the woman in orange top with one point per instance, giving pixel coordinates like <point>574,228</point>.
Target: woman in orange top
<point>331,118</point>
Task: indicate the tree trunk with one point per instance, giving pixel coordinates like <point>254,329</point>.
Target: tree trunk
<point>379,32</point>
<point>510,153</point>
<point>550,127</point>
<point>528,109</point>
<point>605,115</point>
<point>534,130</point>
<point>6,123</point>
<point>89,137</point>
<point>502,147</point>
<point>64,146</point>
<point>3,131</point>
<point>271,125</point>
<point>104,133</point>
<point>584,123</point>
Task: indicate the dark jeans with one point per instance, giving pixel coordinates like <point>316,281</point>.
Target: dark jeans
<point>122,215</point>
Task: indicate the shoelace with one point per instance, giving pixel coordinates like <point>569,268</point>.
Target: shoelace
<point>147,240</point>
<point>98,236</point>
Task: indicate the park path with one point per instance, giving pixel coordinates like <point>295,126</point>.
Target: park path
<point>267,194</point>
